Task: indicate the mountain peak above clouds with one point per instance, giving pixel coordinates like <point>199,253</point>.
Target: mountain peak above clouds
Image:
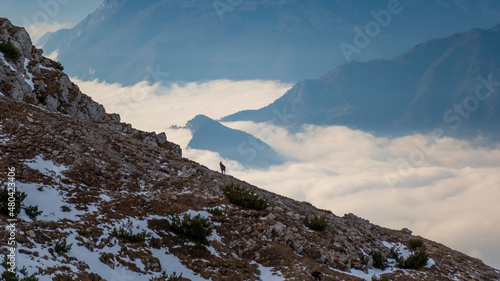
<point>106,202</point>
<point>232,144</point>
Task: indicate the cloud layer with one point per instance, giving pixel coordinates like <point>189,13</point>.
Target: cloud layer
<point>443,189</point>
<point>157,107</point>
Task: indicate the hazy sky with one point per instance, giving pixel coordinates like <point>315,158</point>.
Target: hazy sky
<point>46,15</point>
<point>21,12</point>
<point>414,24</point>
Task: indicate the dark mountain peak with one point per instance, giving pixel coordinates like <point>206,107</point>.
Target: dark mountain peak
<point>201,119</point>
<point>237,145</point>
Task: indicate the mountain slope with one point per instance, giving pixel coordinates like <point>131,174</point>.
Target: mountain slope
<point>232,144</point>
<point>447,83</point>
<point>109,196</point>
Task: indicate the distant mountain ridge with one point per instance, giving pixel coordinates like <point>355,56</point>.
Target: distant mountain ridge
<point>450,83</point>
<point>129,41</point>
<point>175,36</point>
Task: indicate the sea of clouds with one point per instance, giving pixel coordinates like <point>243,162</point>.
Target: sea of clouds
<point>444,189</point>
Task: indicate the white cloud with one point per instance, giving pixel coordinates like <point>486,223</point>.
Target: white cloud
<point>53,55</point>
<point>449,192</point>
<point>38,31</point>
<point>157,107</point>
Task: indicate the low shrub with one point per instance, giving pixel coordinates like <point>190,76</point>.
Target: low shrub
<point>379,261</point>
<point>8,206</point>
<point>9,276</point>
<point>125,232</point>
<point>42,99</point>
<point>245,198</point>
<point>415,243</point>
<point>194,228</point>
<point>9,50</point>
<point>66,181</point>
<point>215,211</point>
<point>27,277</point>
<point>415,261</point>
<point>61,246</point>
<point>318,223</point>
<point>32,212</point>
<point>155,243</point>
<point>58,65</point>
<point>82,231</point>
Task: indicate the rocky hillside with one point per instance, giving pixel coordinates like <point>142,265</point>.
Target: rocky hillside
<point>104,201</point>
<point>128,41</point>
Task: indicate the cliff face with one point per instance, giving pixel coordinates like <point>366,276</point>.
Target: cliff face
<point>32,78</point>
<point>113,193</point>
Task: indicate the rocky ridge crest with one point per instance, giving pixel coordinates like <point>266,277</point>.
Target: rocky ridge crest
<point>37,80</point>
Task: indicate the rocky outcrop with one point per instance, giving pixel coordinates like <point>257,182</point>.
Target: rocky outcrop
<point>37,80</point>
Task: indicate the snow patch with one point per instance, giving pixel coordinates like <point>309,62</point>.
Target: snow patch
<point>203,214</point>
<point>212,250</point>
<point>401,249</point>
<point>267,274</point>
<point>28,80</point>
<point>43,260</point>
<point>171,264</point>
<point>2,57</point>
<point>50,201</point>
<point>430,263</point>
<point>105,197</point>
<point>46,167</point>
<point>47,68</point>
